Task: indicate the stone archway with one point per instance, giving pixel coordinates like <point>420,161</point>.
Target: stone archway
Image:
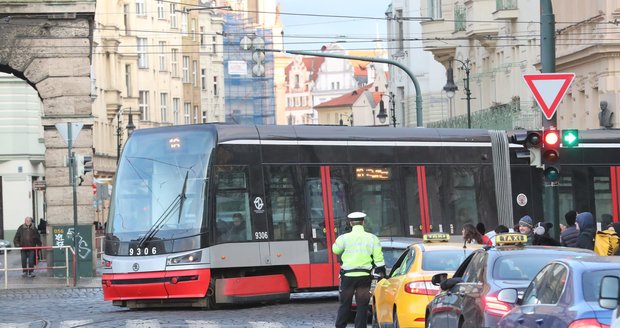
<point>48,44</point>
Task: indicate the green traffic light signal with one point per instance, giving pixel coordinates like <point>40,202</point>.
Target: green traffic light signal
<point>551,174</point>
<point>570,138</point>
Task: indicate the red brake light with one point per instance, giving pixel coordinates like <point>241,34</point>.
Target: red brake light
<point>422,287</point>
<point>108,264</point>
<point>587,323</point>
<point>494,306</point>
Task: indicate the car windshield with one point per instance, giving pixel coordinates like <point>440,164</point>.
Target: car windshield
<point>444,260</point>
<point>391,255</point>
<point>591,283</point>
<point>520,266</point>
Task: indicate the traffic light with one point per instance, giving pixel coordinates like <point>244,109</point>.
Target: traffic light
<point>570,138</point>
<point>84,164</point>
<point>258,68</point>
<point>532,142</point>
<point>551,155</point>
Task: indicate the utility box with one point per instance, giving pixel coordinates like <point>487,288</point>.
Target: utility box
<point>64,235</point>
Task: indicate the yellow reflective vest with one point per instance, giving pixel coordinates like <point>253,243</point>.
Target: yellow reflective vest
<point>358,250</point>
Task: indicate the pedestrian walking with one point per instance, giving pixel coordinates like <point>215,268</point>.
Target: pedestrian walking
<point>27,236</point>
<point>587,230</point>
<point>569,234</point>
<point>525,227</point>
<point>359,250</point>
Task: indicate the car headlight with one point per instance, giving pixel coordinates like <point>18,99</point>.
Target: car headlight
<point>194,257</point>
<point>4,243</point>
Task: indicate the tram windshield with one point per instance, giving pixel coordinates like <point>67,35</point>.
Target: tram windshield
<point>159,193</point>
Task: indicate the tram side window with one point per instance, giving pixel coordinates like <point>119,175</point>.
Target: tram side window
<point>375,193</point>
<point>232,205</point>
<point>460,195</point>
<point>282,190</point>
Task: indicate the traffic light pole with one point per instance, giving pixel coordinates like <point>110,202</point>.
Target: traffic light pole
<point>547,55</point>
<point>418,93</point>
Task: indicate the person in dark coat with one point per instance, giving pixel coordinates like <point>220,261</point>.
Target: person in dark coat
<point>541,235</point>
<point>569,235</point>
<point>587,230</point>
<point>27,236</point>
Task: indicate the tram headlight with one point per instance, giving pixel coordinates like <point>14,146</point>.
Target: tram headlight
<point>194,257</point>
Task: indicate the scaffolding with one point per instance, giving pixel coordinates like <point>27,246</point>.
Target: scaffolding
<point>248,99</point>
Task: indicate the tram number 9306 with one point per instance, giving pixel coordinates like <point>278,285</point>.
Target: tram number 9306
<point>137,251</point>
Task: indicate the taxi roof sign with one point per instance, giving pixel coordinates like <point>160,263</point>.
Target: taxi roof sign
<point>510,239</point>
<point>436,237</point>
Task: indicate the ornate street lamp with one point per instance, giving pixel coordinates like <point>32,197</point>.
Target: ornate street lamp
<point>450,88</point>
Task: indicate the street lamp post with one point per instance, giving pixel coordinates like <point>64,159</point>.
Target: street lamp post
<point>382,116</point>
<point>450,87</point>
<point>119,131</point>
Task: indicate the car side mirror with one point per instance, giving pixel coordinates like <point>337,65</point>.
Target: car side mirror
<point>437,279</point>
<point>448,284</point>
<point>508,295</point>
<point>609,292</point>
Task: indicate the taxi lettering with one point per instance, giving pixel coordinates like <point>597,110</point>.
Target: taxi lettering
<point>511,238</point>
<point>436,237</point>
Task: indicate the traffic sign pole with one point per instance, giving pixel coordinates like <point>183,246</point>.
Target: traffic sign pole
<point>547,58</point>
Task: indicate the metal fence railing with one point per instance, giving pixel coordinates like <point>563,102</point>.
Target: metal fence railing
<point>67,249</point>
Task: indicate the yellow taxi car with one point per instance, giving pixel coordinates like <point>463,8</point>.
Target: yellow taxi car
<point>400,299</point>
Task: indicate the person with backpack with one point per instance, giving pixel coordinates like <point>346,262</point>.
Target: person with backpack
<point>614,246</point>
<point>587,230</point>
<point>569,234</point>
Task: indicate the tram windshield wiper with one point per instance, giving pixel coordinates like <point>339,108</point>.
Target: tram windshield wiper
<point>177,201</point>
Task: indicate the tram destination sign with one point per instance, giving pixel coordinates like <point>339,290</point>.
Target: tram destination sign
<point>372,173</point>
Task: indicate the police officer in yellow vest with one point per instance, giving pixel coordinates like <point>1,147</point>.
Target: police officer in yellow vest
<point>359,250</point>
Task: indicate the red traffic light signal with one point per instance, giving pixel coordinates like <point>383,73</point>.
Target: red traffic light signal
<point>551,155</point>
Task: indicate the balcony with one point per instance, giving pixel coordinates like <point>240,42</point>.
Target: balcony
<point>478,24</point>
<point>506,10</point>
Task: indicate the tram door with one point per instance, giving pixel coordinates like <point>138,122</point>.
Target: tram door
<point>326,203</point>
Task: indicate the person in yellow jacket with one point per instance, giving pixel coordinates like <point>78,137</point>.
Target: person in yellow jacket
<point>359,251</point>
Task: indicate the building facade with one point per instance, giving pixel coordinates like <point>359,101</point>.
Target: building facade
<point>405,47</point>
<point>500,42</point>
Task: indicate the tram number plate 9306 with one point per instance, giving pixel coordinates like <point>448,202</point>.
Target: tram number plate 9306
<point>134,250</point>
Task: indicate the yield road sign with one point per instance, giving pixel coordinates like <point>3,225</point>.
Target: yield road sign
<point>549,89</point>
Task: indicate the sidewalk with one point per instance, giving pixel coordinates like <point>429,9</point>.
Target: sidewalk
<point>44,276</point>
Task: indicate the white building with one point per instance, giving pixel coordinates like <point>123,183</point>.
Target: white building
<point>22,154</point>
<point>335,78</point>
<point>405,47</point>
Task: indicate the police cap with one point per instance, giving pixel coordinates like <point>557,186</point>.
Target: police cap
<point>356,216</point>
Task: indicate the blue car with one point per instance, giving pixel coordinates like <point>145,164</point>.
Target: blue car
<point>565,293</point>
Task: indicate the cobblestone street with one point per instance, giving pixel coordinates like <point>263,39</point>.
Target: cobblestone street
<point>84,307</point>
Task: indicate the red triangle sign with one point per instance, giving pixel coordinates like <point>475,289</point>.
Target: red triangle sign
<point>549,89</point>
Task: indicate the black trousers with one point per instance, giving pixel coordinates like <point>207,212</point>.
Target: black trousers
<point>360,287</point>
<point>28,260</point>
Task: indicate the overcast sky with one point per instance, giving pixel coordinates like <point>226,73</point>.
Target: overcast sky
<point>304,32</point>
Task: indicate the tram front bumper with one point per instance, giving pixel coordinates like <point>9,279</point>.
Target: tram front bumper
<point>156,285</point>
